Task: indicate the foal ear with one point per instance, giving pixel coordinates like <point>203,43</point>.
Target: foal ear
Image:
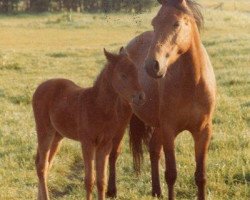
<point>161,1</point>
<point>182,2</point>
<point>123,52</point>
<point>112,58</point>
<point>179,2</point>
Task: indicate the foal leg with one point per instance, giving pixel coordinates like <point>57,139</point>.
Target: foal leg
<point>54,148</point>
<point>42,164</point>
<point>88,150</point>
<point>155,146</point>
<point>202,140</point>
<point>112,191</point>
<point>168,137</point>
<point>102,155</point>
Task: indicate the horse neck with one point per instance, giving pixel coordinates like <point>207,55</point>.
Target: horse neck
<point>193,59</point>
<point>105,96</point>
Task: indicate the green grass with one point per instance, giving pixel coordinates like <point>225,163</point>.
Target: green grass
<point>36,48</point>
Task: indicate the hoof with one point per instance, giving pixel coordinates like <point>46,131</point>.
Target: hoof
<point>111,194</point>
<point>157,194</point>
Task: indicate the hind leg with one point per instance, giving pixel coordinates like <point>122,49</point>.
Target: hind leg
<point>54,148</point>
<point>42,162</point>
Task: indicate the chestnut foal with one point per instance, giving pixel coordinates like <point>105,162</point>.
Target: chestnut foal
<point>97,117</point>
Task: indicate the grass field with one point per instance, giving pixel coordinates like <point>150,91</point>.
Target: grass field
<point>34,48</point>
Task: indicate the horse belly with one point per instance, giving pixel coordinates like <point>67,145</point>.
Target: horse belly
<point>64,122</point>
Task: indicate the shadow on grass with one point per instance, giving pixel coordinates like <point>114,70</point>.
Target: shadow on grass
<point>11,66</point>
<point>238,178</point>
<point>76,176</point>
<point>2,94</point>
<point>20,99</point>
<point>62,54</point>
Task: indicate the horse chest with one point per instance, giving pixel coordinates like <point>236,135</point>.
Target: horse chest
<point>185,106</point>
<point>101,127</point>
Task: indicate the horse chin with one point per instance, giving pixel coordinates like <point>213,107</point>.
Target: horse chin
<point>154,75</point>
<point>157,76</point>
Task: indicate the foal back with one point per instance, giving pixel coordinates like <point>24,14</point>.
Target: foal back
<point>55,105</point>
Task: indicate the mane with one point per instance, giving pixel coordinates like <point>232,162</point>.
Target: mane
<point>102,76</point>
<point>194,9</point>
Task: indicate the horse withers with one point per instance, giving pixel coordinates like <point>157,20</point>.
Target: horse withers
<point>96,117</point>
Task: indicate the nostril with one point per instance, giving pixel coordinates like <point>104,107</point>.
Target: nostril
<point>156,66</point>
<point>142,96</point>
<point>139,98</point>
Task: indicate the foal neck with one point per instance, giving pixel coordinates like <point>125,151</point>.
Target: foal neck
<point>105,96</point>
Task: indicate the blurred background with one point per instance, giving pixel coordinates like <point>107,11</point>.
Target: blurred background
<point>36,6</point>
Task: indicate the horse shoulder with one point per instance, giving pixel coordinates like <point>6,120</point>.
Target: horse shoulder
<point>208,74</point>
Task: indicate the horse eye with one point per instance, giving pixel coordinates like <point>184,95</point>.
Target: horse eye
<point>177,24</point>
<point>124,77</point>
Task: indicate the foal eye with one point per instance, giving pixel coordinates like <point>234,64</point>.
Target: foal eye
<point>176,24</point>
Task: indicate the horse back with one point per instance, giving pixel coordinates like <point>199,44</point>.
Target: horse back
<point>55,104</point>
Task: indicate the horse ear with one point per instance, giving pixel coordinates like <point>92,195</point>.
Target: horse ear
<point>112,58</point>
<point>123,52</point>
<point>161,1</point>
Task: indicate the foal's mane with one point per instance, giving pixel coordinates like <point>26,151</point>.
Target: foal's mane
<point>103,76</point>
<point>194,10</point>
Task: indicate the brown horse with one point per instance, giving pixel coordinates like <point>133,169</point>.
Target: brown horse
<point>177,77</point>
<point>96,116</point>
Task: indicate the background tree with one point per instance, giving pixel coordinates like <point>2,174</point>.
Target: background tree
<point>39,5</point>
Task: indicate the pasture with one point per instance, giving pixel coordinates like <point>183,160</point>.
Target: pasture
<point>34,48</point>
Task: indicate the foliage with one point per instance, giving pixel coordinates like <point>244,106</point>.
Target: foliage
<point>8,6</point>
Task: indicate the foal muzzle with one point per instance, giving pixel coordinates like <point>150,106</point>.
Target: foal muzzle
<point>139,98</point>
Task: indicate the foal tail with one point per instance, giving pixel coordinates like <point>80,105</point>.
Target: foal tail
<point>139,133</point>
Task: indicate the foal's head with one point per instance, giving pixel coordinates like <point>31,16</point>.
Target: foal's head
<point>124,77</point>
<point>174,26</point>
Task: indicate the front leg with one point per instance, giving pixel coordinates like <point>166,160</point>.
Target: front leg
<point>112,190</point>
<point>202,140</point>
<point>155,147</point>
<point>168,137</point>
<point>102,155</point>
<point>88,150</point>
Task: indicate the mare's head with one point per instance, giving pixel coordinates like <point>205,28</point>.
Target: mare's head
<point>124,77</point>
<point>174,27</point>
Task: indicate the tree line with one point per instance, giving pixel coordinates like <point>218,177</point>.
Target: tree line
<point>12,6</point>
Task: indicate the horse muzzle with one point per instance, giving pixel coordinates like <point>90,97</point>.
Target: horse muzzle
<point>153,69</point>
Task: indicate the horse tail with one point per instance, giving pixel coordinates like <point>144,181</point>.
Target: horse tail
<point>139,133</point>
